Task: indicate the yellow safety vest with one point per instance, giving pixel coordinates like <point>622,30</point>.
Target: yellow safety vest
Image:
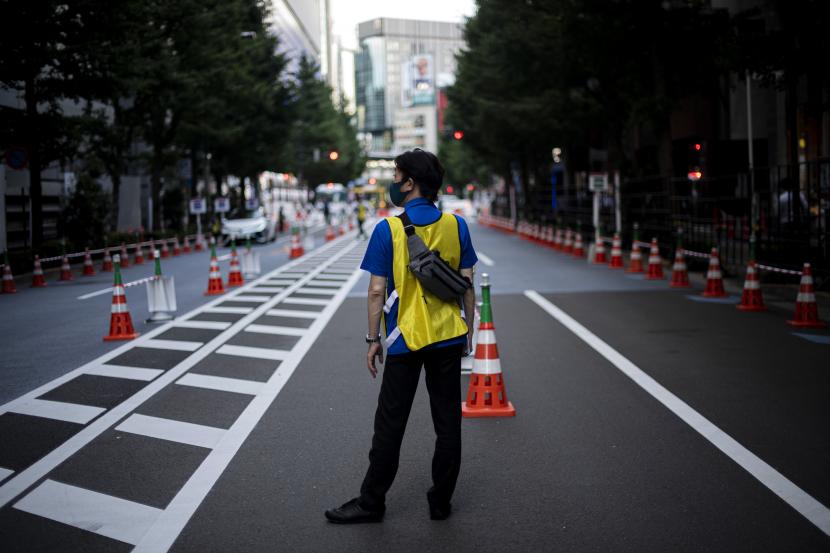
<point>423,318</point>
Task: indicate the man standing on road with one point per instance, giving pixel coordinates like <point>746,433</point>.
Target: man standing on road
<point>421,330</point>
<point>361,217</point>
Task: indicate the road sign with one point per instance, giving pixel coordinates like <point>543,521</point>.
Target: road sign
<point>251,203</point>
<point>221,205</point>
<point>598,182</point>
<point>17,157</point>
<point>198,206</point>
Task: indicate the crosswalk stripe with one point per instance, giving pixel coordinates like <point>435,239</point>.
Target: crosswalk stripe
<point>102,514</point>
<point>120,371</point>
<point>273,289</point>
<point>252,299</point>
<point>206,325</point>
<point>172,430</point>
<point>279,281</point>
<point>324,284</point>
<point>274,329</point>
<point>316,291</point>
<point>58,410</point>
<point>296,313</point>
<point>221,383</point>
<point>257,353</point>
<point>305,301</point>
<point>236,310</point>
<point>178,345</point>
<point>5,473</point>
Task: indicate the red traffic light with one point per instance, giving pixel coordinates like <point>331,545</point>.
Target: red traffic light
<point>458,135</point>
<point>470,187</point>
<point>449,189</point>
<point>697,147</point>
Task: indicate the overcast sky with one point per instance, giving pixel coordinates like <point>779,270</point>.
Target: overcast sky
<point>348,13</point>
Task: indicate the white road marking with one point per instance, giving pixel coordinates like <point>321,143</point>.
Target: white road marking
<point>280,281</point>
<point>297,314</point>
<point>206,325</point>
<point>5,473</point>
<point>273,329</point>
<point>794,496</point>
<point>484,259</point>
<point>256,353</point>
<point>330,272</point>
<point>21,481</point>
<point>268,289</point>
<point>178,345</point>
<point>120,371</point>
<point>304,301</point>
<point>316,291</point>
<point>102,514</point>
<point>221,383</point>
<point>172,430</point>
<point>57,410</point>
<point>236,310</point>
<point>252,299</point>
<point>325,284</point>
<point>164,531</point>
<point>324,276</point>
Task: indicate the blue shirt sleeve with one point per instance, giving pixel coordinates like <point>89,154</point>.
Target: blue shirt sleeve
<point>468,254</point>
<point>378,257</point>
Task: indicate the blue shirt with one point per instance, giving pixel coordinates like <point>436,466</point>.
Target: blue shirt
<point>378,260</point>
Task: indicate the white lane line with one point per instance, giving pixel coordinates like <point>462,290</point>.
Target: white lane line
<point>26,478</point>
<point>121,371</point>
<point>268,289</point>
<point>178,345</point>
<point>794,496</point>
<point>172,430</point>
<point>316,291</point>
<point>236,310</point>
<point>338,277</point>
<point>164,531</point>
<point>484,259</point>
<point>57,410</point>
<point>256,353</point>
<point>102,514</point>
<point>297,314</point>
<point>5,473</point>
<point>304,301</point>
<point>205,325</point>
<point>274,329</point>
<point>280,281</point>
<point>252,299</point>
<point>221,383</point>
<point>325,284</point>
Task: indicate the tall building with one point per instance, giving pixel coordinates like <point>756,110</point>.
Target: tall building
<point>400,69</point>
<point>304,29</point>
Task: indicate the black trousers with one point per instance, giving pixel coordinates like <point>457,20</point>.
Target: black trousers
<point>400,381</point>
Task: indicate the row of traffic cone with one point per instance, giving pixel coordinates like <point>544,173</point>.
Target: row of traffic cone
<point>235,278</point>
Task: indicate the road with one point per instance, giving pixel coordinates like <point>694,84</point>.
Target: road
<point>646,420</point>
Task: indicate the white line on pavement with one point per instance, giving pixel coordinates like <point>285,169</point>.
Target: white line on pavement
<point>95,512</point>
<point>119,371</point>
<point>268,289</point>
<point>172,430</point>
<point>292,313</point>
<point>252,298</point>
<point>273,329</point>
<point>233,310</point>
<point>485,259</point>
<point>4,473</point>
<point>221,383</point>
<point>303,301</point>
<point>205,325</point>
<point>256,353</point>
<point>797,498</point>
<point>164,531</point>
<point>178,345</point>
<point>58,410</point>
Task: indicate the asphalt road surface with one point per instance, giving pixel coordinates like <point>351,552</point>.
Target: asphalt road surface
<point>647,420</point>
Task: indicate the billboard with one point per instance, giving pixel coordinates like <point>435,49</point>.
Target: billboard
<point>418,81</point>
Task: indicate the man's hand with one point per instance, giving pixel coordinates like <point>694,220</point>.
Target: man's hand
<point>375,350</point>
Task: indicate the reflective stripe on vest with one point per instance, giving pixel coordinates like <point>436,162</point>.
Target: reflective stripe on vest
<point>424,319</point>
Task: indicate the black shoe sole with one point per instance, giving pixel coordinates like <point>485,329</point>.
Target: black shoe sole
<point>355,521</point>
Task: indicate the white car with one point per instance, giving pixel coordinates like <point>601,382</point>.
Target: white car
<point>253,224</point>
<point>454,204</point>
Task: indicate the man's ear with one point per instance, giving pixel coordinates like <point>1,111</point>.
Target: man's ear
<point>412,182</point>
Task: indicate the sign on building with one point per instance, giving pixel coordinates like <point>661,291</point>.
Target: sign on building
<point>221,205</point>
<point>198,206</point>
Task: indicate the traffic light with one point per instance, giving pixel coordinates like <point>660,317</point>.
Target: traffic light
<point>470,188</point>
<point>458,135</point>
<point>449,189</point>
<point>696,161</point>
<point>333,155</point>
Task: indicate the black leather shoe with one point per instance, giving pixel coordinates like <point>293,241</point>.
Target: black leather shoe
<point>440,513</point>
<point>352,513</point>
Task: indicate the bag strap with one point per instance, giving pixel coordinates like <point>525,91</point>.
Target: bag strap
<point>408,227</point>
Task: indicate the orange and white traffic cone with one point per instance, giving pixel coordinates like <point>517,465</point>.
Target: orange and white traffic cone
<point>616,253</point>
<point>8,278</point>
<point>635,260</point>
<point>186,245</point>
<point>557,239</point>
<point>37,274</point>
<point>177,249</point>
<point>200,246</point>
<point>89,270</point>
<point>121,324</point>
<point>806,308</point>
<point>235,274</point>
<point>215,286</point>
<point>165,251</point>
<point>579,249</point>
<point>341,229</point>
<point>329,234</point>
<point>568,243</point>
<point>66,270</point>
<point>296,246</point>
<point>714,278</point>
<point>139,255</point>
<point>486,396</point>
<point>106,264</point>
<point>599,250</point>
<point>125,259</point>
<point>751,298</point>
<point>679,271</point>
<point>655,262</point>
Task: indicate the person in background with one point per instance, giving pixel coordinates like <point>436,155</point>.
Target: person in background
<point>361,217</point>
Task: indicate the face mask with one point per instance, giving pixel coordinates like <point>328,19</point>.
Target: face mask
<point>395,194</point>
